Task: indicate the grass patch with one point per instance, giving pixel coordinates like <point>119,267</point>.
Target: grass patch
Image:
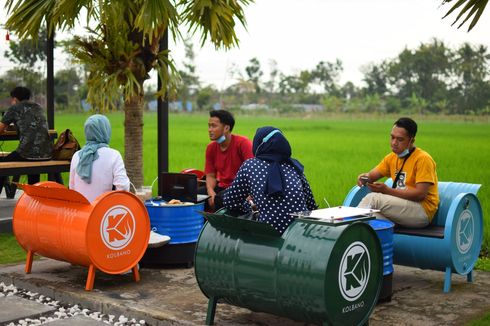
<point>10,250</point>
<point>484,321</point>
<point>483,263</point>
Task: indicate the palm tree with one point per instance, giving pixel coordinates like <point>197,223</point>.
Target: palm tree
<point>123,46</point>
<point>472,8</point>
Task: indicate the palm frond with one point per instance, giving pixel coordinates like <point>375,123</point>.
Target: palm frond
<point>215,19</point>
<point>154,16</point>
<point>66,13</point>
<point>472,9</point>
<point>26,17</point>
<point>168,73</point>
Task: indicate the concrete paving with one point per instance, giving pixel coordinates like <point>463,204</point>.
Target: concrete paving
<point>15,308</point>
<point>171,296</point>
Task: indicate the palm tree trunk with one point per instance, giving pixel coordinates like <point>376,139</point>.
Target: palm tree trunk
<point>133,138</point>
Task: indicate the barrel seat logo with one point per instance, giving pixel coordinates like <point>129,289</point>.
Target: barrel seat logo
<point>117,227</point>
<point>465,231</point>
<point>354,271</point>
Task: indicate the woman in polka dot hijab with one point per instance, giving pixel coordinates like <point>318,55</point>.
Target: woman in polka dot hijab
<point>274,181</point>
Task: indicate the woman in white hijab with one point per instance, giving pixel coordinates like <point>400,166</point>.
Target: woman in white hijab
<point>96,168</point>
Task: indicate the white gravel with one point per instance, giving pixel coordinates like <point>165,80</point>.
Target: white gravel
<point>64,311</point>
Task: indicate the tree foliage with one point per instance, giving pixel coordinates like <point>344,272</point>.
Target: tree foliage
<point>254,73</point>
<point>327,75</point>
<point>123,46</point>
<point>422,72</point>
<point>27,52</point>
<point>471,88</point>
<point>189,79</point>
<point>427,79</point>
<point>375,77</point>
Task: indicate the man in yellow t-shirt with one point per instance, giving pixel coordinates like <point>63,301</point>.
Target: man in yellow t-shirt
<point>413,199</point>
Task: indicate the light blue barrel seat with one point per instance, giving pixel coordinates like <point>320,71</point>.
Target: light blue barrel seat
<point>451,243</point>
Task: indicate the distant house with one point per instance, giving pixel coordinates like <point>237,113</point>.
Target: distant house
<point>152,106</point>
<point>309,107</point>
<point>172,106</point>
<point>217,106</point>
<point>298,107</point>
<point>85,105</point>
<point>254,106</point>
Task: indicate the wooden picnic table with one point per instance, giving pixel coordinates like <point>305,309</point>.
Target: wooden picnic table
<point>53,168</point>
<point>12,135</point>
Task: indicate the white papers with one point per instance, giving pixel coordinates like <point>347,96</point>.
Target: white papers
<point>339,213</point>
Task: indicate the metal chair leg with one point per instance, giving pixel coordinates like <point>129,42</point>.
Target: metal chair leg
<point>447,280</point>
<point>211,310</point>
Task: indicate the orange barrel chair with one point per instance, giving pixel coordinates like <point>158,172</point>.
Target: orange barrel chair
<point>110,234</point>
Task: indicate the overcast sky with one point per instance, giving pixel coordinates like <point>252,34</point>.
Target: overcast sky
<point>298,34</point>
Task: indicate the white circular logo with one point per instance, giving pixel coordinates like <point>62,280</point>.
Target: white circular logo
<point>355,267</point>
<point>465,231</point>
<point>117,227</point>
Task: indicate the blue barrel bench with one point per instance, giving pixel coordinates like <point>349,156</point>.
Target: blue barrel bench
<point>451,243</point>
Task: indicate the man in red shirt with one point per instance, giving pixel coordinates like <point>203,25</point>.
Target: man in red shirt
<point>224,155</point>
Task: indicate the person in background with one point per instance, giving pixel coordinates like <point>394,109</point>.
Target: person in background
<point>272,180</point>
<point>413,199</point>
<point>96,168</point>
<point>224,156</point>
<point>29,119</point>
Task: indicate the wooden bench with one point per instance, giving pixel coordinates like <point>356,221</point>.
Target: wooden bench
<point>452,241</point>
<point>53,168</point>
<point>12,135</point>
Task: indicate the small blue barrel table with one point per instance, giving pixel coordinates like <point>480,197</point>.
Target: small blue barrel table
<point>384,230</point>
<point>182,223</point>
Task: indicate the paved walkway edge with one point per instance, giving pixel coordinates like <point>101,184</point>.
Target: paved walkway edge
<point>72,298</point>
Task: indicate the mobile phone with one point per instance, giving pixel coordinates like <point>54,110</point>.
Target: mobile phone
<point>364,180</point>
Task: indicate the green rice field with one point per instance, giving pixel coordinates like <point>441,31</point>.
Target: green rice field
<point>333,150</point>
